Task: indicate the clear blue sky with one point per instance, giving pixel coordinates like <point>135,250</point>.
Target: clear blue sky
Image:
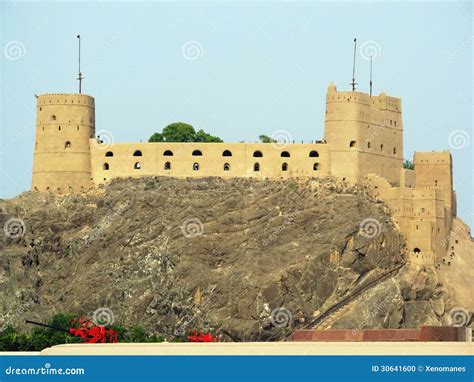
<point>260,67</point>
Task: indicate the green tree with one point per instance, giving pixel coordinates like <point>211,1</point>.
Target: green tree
<point>408,164</point>
<point>182,132</point>
<point>202,136</point>
<point>157,137</point>
<point>266,139</point>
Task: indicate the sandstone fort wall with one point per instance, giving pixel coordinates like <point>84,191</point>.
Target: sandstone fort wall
<point>227,160</point>
<point>363,139</point>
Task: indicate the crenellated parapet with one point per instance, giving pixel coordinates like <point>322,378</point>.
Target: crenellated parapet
<point>65,99</point>
<point>381,102</point>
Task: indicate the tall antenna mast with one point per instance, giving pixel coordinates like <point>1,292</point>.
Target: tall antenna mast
<point>371,76</point>
<point>353,83</point>
<point>80,78</point>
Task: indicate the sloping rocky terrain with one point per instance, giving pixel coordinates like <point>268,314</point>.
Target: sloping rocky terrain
<point>249,259</point>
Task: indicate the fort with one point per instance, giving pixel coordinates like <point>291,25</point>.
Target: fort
<point>363,142</point>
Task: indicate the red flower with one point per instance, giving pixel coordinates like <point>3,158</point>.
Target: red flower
<point>196,336</point>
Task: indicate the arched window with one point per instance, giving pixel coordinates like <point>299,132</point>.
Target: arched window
<point>315,167</point>
<point>257,154</point>
<point>284,167</point>
<point>168,153</point>
<point>167,166</point>
<point>196,167</point>
<point>226,153</point>
<point>106,166</point>
<point>67,145</point>
<point>137,153</point>
<point>109,154</point>
<point>285,154</point>
<point>137,166</point>
<point>226,167</point>
<point>352,144</point>
<point>313,154</point>
<point>197,153</point>
<point>256,167</point>
<point>416,250</point>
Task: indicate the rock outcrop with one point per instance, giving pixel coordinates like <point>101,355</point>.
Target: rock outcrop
<point>250,259</point>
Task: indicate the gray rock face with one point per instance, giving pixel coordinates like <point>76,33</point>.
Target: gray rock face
<point>251,259</point>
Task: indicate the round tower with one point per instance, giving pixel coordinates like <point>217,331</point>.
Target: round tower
<point>64,125</point>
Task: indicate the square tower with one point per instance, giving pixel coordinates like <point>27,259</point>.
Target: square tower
<point>365,135</point>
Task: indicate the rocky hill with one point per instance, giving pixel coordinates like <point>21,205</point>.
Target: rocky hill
<point>250,259</point>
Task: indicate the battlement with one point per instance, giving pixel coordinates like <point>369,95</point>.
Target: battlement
<point>433,157</point>
<point>64,99</point>
<point>380,102</point>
